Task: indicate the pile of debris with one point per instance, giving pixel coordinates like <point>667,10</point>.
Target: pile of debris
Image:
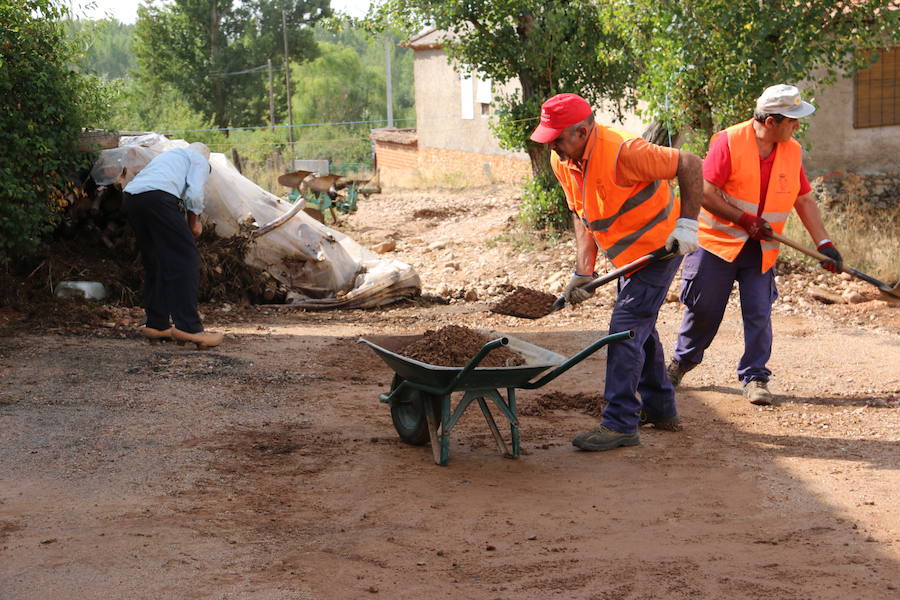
<point>265,246</point>
<point>454,346</point>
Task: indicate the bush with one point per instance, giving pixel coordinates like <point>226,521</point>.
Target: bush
<point>544,205</point>
<point>45,105</point>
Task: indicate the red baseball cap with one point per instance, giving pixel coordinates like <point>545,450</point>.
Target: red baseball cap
<point>559,112</point>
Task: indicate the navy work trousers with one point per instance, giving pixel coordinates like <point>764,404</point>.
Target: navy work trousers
<point>170,257</point>
<point>637,366</point>
<point>706,285</point>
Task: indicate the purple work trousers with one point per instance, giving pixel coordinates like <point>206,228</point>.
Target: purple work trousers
<point>706,285</point>
<point>637,366</point>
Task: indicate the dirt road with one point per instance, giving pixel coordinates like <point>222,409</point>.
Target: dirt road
<point>267,469</point>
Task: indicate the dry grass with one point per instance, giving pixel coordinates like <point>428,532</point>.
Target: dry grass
<point>868,237</point>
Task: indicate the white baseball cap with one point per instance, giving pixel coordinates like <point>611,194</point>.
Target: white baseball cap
<point>784,100</point>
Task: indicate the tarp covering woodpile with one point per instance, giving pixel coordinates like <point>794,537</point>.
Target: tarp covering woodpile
<point>322,267</point>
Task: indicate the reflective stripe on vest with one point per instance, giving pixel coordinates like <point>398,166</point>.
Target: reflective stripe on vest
<point>626,222</point>
<point>724,238</point>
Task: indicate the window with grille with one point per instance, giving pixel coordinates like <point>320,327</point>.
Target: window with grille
<point>876,92</point>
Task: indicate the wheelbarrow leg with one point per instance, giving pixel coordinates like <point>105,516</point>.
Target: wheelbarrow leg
<point>445,431</point>
<point>513,424</point>
<point>501,445</point>
<point>433,436</point>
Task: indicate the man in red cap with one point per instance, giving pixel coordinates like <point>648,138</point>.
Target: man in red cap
<point>617,187</point>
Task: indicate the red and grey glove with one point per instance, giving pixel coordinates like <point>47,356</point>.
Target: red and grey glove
<point>757,227</point>
<point>835,262</point>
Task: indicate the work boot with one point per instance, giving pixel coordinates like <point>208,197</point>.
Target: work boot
<point>758,393</point>
<point>203,339</point>
<point>672,423</point>
<point>603,438</point>
<point>676,370</point>
<point>156,335</point>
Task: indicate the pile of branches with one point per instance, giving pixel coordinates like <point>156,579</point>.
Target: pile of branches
<point>94,242</point>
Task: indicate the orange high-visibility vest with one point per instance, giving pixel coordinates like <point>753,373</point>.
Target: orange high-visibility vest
<point>627,222</point>
<point>724,238</point>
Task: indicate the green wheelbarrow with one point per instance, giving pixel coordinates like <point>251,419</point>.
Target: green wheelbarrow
<point>420,395</point>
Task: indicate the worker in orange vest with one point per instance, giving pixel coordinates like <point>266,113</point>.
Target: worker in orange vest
<point>754,177</point>
<point>617,188</point>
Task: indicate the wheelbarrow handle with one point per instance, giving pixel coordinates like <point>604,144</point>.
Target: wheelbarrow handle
<point>639,263</point>
<point>574,360</point>
<point>474,362</point>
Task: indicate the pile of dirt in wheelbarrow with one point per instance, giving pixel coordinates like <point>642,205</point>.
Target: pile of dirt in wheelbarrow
<point>591,404</point>
<point>454,346</point>
<point>526,303</point>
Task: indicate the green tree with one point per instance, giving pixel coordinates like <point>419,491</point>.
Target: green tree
<point>544,47</point>
<point>704,62</point>
<point>547,47</point>
<point>108,52</point>
<point>46,103</point>
<point>211,51</point>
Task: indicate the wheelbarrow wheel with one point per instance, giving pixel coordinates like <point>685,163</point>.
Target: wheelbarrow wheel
<point>408,413</point>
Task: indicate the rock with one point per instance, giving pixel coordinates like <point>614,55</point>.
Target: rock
<point>471,296</point>
<point>452,265</point>
<point>853,297</point>
<point>824,296</point>
<point>386,246</point>
<point>558,276</point>
<point>846,276</point>
<point>438,245</point>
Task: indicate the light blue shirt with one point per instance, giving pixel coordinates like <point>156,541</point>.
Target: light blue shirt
<point>180,172</point>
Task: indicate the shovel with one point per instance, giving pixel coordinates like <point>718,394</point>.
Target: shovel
<point>888,293</point>
<point>639,263</point>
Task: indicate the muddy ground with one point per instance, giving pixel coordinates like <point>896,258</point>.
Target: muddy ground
<point>267,468</point>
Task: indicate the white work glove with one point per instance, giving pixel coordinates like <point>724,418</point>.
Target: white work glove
<point>573,292</point>
<point>685,233</point>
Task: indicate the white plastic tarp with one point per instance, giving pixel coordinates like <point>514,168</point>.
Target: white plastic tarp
<point>322,267</point>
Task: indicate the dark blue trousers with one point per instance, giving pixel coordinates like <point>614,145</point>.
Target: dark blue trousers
<point>170,257</point>
<point>637,366</point>
<point>706,285</point>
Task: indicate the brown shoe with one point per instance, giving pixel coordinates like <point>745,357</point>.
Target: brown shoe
<point>156,335</point>
<point>758,393</point>
<point>204,339</point>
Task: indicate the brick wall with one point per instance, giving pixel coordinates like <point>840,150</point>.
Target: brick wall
<point>393,156</point>
<point>471,168</point>
<point>407,165</point>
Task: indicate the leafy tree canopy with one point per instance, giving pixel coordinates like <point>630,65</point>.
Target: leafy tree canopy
<point>45,104</point>
<point>704,62</point>
<point>548,47</point>
<point>108,50</point>
<point>208,50</point>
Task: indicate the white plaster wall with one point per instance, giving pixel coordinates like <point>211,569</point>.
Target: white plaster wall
<point>438,113</point>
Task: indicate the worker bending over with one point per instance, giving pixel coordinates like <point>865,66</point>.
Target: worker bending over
<point>617,188</point>
<point>167,241</point>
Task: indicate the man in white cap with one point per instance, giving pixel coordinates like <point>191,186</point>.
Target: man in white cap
<point>167,241</point>
<point>753,177</point>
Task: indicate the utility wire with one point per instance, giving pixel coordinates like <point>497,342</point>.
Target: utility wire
<point>271,126</point>
<point>251,70</point>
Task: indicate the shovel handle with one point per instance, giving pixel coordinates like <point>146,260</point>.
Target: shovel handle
<point>854,272</point>
<point>788,242</point>
<point>639,263</point>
